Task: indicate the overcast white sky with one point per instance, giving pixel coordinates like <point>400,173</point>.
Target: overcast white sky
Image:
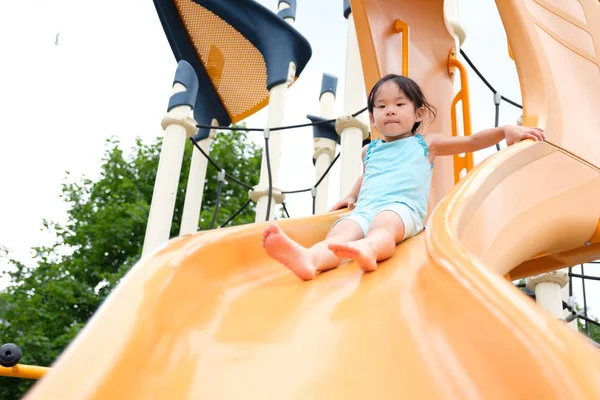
<point>111,73</point>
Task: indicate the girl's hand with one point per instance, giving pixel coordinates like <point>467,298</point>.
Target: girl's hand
<point>347,201</point>
<point>515,133</point>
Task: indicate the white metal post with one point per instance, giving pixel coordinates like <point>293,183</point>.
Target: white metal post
<point>177,125</point>
<point>547,288</point>
<point>324,150</point>
<point>195,186</point>
<point>276,117</point>
<point>327,103</point>
<point>352,135</point>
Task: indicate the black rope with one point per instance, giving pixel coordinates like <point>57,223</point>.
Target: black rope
<point>210,160</point>
<point>327,170</point>
<point>313,192</point>
<point>235,214</point>
<point>318,182</point>
<point>227,174</point>
<point>489,85</point>
<point>296,191</point>
<point>285,209</point>
<point>279,128</point>
<point>218,201</point>
<point>497,119</point>
<point>570,282</point>
<point>578,315</point>
<point>233,178</point>
<point>268,157</point>
<point>270,176</point>
<point>594,278</point>
<point>468,60</point>
<point>509,101</point>
<point>587,326</point>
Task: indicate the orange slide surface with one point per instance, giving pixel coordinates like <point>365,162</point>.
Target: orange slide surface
<point>211,316</point>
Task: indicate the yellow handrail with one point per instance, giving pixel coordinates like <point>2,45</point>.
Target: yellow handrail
<point>401,27</point>
<point>465,162</point>
<point>24,371</point>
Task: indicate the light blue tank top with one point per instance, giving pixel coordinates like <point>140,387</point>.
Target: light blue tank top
<point>397,171</point>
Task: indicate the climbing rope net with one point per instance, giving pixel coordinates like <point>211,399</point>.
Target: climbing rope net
<point>498,98</point>
<point>266,134</point>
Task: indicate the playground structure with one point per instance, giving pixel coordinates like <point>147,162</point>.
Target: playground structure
<point>208,314</point>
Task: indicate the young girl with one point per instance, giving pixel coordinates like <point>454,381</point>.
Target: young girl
<point>389,201</point>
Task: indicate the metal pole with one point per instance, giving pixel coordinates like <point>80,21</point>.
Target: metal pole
<point>178,125</point>
<point>354,99</point>
<point>195,186</point>
<point>324,148</point>
<point>548,290</point>
<point>277,97</point>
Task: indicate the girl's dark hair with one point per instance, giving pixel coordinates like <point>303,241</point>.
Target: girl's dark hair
<point>410,88</point>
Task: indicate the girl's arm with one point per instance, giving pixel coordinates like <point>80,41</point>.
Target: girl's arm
<point>441,145</point>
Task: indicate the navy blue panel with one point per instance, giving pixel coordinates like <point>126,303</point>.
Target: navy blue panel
<point>187,77</point>
<point>328,84</point>
<point>287,13</point>
<point>277,40</point>
<point>324,130</point>
<point>208,105</point>
<point>347,9</point>
<point>292,4</point>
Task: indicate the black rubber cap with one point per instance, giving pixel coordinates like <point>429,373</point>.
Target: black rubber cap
<point>10,355</point>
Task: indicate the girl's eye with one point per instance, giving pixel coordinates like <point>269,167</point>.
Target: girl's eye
<point>400,104</point>
<point>380,106</point>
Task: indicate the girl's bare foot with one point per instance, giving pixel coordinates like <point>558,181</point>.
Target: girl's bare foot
<point>283,249</point>
<point>362,253</point>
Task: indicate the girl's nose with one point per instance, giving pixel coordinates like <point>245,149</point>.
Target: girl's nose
<point>390,111</point>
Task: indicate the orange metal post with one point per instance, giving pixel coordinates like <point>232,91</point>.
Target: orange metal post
<point>466,161</point>
<point>24,371</point>
<point>401,27</point>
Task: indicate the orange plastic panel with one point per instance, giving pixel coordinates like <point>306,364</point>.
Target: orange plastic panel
<point>554,45</point>
<point>237,69</point>
<point>430,42</point>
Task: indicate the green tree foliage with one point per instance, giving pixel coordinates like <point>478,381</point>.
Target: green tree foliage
<point>45,306</point>
<point>593,329</point>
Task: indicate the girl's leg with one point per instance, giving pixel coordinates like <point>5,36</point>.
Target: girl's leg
<point>386,230</point>
<point>305,262</point>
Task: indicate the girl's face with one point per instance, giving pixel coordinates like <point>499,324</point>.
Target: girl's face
<point>393,113</point>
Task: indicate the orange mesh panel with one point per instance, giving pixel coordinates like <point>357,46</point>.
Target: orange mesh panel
<point>236,68</point>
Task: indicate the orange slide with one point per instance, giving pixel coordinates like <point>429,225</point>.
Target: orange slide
<point>211,316</point>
